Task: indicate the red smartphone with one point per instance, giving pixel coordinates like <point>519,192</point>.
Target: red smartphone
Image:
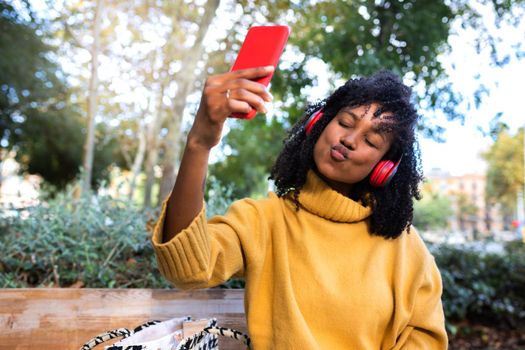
<point>262,46</point>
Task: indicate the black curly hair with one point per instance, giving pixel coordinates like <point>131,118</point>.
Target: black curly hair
<point>392,205</point>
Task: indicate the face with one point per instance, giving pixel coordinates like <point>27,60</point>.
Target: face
<point>351,145</point>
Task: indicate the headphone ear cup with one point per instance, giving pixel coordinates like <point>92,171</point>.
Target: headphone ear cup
<point>312,120</point>
<point>383,172</point>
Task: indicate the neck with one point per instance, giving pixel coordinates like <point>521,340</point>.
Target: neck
<point>341,187</point>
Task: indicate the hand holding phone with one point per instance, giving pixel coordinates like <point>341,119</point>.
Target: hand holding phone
<point>262,46</point>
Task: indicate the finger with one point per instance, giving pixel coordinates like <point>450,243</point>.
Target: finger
<point>251,86</point>
<point>237,106</point>
<point>248,73</point>
<point>253,73</point>
<point>252,99</point>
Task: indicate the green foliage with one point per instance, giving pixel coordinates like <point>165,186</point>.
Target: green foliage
<point>255,146</point>
<point>53,152</point>
<point>29,79</point>
<point>218,197</point>
<point>432,212</point>
<point>467,211</point>
<point>483,288</point>
<point>505,169</point>
<point>95,241</point>
<point>354,38</point>
<point>37,117</point>
<point>51,146</point>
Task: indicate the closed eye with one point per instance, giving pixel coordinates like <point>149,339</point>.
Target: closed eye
<point>371,144</point>
<point>344,125</point>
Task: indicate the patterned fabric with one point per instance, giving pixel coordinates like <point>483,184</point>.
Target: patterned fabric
<point>101,338</point>
<point>207,339</point>
<point>230,333</point>
<point>145,325</point>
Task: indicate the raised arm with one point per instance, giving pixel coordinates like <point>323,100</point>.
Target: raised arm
<point>223,95</point>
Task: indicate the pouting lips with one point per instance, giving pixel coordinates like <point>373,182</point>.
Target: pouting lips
<point>339,152</point>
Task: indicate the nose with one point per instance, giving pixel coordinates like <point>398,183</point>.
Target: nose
<point>349,141</point>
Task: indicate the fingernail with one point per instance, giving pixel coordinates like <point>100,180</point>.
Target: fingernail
<point>268,67</point>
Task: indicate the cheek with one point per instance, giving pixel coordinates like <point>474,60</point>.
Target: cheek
<point>317,153</point>
<point>321,145</point>
<point>366,159</point>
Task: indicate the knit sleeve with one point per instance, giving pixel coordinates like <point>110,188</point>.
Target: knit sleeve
<point>206,254</point>
<point>426,327</point>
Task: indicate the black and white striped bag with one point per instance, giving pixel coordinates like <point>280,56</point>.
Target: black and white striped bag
<point>166,335</point>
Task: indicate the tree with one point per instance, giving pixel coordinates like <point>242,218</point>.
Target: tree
<point>505,170</point>
<point>186,84</point>
<point>432,212</point>
<point>39,118</point>
<point>467,213</point>
<point>251,157</point>
<point>29,79</point>
<point>357,38</point>
<point>89,143</point>
<point>152,51</point>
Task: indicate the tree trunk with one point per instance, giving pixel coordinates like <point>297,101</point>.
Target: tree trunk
<point>139,159</point>
<point>153,148</point>
<point>174,140</point>
<point>89,145</point>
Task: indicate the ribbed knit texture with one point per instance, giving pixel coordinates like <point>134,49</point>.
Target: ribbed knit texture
<point>315,278</point>
<point>334,206</point>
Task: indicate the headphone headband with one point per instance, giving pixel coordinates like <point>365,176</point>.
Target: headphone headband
<point>314,117</point>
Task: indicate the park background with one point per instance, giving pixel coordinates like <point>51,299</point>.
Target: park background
<point>97,97</point>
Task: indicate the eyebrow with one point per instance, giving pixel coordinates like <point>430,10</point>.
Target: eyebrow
<point>377,129</point>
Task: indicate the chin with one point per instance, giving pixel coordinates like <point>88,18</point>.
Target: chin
<point>340,178</point>
<point>331,176</point>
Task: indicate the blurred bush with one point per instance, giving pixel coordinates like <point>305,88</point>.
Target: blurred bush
<point>483,288</point>
<point>92,241</point>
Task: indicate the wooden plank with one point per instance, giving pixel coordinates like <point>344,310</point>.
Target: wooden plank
<point>65,318</point>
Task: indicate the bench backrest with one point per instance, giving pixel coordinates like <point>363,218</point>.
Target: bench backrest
<point>60,318</point>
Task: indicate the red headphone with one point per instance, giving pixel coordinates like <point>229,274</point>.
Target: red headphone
<point>382,173</point>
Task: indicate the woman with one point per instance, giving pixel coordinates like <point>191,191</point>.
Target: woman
<point>330,260</point>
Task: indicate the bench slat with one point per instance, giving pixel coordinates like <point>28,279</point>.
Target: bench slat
<point>63,318</point>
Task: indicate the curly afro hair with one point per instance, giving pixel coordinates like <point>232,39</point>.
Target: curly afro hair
<point>392,205</point>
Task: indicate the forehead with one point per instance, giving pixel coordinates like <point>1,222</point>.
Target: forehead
<point>371,110</point>
<point>381,118</point>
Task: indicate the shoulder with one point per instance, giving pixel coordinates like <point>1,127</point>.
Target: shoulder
<point>263,208</point>
<point>415,242</point>
<point>413,250</point>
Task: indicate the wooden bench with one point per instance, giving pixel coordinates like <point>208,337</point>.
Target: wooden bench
<point>64,318</point>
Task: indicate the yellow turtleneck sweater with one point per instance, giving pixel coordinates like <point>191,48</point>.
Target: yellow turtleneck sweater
<point>315,278</point>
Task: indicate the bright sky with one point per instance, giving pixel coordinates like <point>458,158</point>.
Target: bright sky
<point>460,153</point>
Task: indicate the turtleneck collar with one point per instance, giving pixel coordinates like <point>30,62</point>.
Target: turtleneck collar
<point>320,199</point>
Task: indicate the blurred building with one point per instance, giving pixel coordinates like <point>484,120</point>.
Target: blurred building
<point>472,214</point>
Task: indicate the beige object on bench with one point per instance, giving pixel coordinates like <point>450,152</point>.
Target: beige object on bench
<point>66,318</point>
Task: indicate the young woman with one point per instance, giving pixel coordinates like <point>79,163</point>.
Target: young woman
<point>330,260</point>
